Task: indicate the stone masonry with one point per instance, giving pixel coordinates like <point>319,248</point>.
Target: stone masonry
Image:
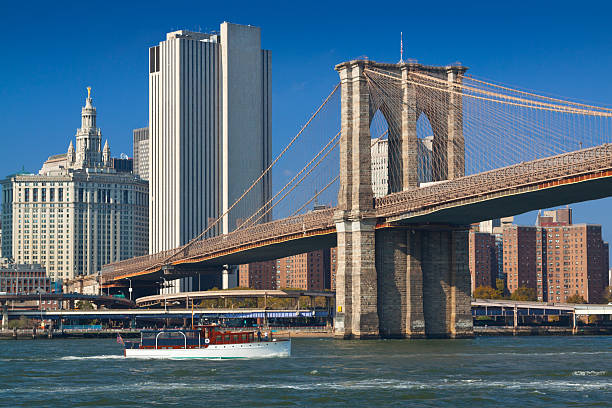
<point>406,281</point>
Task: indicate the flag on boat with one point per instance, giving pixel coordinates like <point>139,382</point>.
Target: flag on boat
<point>119,339</point>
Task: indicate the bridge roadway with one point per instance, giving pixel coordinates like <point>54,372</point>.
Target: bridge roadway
<point>564,179</point>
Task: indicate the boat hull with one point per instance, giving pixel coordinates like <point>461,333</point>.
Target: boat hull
<point>217,351</point>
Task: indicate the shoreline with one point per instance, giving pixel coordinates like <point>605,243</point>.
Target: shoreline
<point>27,334</point>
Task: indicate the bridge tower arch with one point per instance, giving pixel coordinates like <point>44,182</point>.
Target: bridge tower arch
<point>398,282</point>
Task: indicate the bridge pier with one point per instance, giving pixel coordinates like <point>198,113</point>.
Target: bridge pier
<point>400,281</point>
<point>424,283</point>
<point>356,281</point>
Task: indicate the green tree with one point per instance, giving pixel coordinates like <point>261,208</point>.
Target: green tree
<point>523,293</point>
<point>500,285</point>
<point>486,292</point>
<point>84,305</point>
<point>576,298</point>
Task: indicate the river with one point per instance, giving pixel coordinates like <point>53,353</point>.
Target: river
<point>535,371</point>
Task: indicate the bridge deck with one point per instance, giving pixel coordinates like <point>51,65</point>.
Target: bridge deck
<point>572,177</point>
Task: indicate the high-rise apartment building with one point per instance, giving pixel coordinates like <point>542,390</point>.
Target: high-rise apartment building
<point>483,259</point>
<point>79,212</point>
<point>304,271</point>
<point>520,257</point>
<point>557,258</point>
<point>141,152</point>
<point>257,275</point>
<point>210,132</point>
<point>314,270</point>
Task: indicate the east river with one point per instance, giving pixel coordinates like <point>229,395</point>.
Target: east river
<point>486,371</point>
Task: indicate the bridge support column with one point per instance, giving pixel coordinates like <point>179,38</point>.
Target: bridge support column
<point>424,283</point>
<point>356,281</point>
<point>446,284</point>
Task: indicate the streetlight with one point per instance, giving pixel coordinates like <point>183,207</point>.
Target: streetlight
<point>130,290</point>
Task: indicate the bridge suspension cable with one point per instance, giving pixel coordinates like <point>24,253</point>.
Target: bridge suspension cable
<point>258,180</point>
<point>494,125</point>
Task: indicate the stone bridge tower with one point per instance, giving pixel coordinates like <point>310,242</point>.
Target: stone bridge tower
<point>402,281</point>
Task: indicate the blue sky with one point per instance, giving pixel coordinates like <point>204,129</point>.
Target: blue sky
<point>52,50</point>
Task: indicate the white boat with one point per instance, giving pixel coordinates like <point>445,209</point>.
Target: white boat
<point>204,342</point>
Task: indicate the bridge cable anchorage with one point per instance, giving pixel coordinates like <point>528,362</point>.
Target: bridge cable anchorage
<point>178,250</point>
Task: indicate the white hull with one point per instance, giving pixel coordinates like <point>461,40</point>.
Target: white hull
<point>218,351</point>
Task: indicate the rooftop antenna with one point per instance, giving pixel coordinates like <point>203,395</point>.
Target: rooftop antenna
<point>401,47</point>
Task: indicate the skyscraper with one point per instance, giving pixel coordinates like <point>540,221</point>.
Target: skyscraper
<point>141,152</point>
<point>209,130</point>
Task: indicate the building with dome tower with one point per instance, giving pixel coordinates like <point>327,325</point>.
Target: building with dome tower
<point>82,210</point>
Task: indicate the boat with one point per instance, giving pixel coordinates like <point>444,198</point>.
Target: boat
<point>204,342</point>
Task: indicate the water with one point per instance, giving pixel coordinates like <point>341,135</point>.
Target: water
<point>485,371</point>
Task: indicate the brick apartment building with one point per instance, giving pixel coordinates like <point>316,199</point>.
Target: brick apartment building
<point>483,259</point>
<point>556,258</point>
<point>310,271</point>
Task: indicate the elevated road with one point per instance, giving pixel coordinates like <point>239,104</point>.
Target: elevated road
<point>110,301</point>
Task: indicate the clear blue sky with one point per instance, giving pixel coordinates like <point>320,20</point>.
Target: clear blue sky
<point>52,50</point>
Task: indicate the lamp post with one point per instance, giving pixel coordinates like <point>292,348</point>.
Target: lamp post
<point>130,290</point>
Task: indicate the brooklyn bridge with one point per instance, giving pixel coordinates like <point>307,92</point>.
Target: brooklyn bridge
<point>459,150</point>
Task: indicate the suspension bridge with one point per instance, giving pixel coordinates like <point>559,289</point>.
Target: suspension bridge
<point>457,149</point>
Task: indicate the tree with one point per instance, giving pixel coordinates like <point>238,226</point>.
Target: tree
<point>486,292</point>
<point>523,293</point>
<point>84,305</point>
<point>500,285</point>
<point>575,298</point>
<point>608,293</point>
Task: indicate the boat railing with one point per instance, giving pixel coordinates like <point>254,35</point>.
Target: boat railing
<point>158,334</point>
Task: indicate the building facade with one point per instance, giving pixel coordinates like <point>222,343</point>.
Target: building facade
<point>24,278</point>
<point>483,262</point>
<point>79,212</point>
<point>519,244</point>
<point>314,270</point>
<point>557,258</point>
<point>257,275</point>
<point>379,151</point>
<point>210,133</point>
<point>141,152</point>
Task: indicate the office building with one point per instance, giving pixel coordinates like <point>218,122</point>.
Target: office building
<point>141,152</point>
<point>79,212</point>
<point>209,132</point>
<point>379,150</point>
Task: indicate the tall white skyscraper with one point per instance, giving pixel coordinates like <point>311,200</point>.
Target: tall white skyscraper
<point>209,132</point>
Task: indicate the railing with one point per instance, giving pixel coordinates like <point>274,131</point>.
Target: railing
<point>537,171</point>
<point>418,199</point>
<point>305,223</point>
